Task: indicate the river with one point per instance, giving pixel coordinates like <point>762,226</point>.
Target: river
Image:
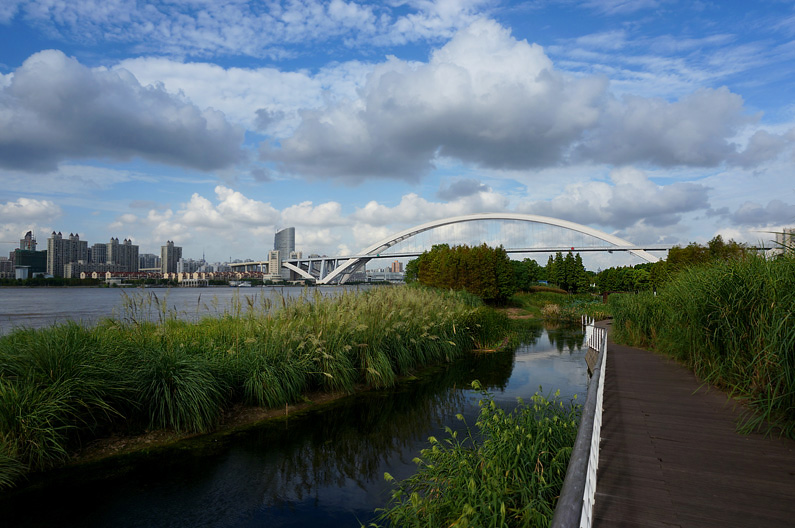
<point>321,468</point>
<point>40,306</point>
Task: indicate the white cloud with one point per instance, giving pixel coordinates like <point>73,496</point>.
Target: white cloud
<point>414,210</point>
<point>55,109</point>
<point>27,209</point>
<point>307,214</point>
<point>630,198</point>
<point>273,29</point>
<point>776,212</point>
<point>483,98</point>
<point>237,208</point>
<point>696,130</point>
<point>263,99</point>
<point>620,7</point>
<point>8,9</point>
<point>494,102</point>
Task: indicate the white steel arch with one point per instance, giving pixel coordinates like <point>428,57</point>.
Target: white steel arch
<point>382,245</point>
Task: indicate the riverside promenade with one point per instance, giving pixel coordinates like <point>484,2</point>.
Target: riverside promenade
<point>670,454</point>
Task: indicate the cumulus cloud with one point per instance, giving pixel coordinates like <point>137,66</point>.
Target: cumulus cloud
<point>413,209</point>
<point>695,130</point>
<point>763,146</point>
<point>27,209</point>
<point>236,207</point>
<point>54,109</point>
<point>307,214</point>
<point>776,212</point>
<point>483,98</point>
<point>489,100</point>
<point>261,99</point>
<point>461,188</point>
<point>628,199</point>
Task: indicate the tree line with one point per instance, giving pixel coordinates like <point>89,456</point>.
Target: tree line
<point>491,275</point>
<point>650,276</point>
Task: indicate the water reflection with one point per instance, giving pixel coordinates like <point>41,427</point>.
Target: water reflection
<point>322,468</point>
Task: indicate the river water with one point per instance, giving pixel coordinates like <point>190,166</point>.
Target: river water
<point>37,307</point>
<point>324,467</point>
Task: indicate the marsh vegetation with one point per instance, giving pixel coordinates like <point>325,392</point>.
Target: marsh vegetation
<point>731,321</point>
<point>144,370</point>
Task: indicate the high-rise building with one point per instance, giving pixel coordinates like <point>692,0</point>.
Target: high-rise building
<point>61,251</point>
<point>34,261</point>
<point>98,254</point>
<point>396,267</point>
<point>284,243</point>
<point>28,257</point>
<point>6,268</point>
<point>28,243</point>
<point>124,254</point>
<point>169,256</point>
<point>148,261</point>
<point>274,264</point>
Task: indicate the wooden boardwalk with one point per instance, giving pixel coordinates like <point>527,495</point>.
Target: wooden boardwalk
<point>671,456</point>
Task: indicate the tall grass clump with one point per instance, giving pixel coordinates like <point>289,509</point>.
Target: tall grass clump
<point>57,387</point>
<point>179,390</point>
<point>509,473</point>
<point>732,323</point>
<point>637,317</point>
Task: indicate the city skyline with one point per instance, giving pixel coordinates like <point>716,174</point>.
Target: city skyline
<point>216,125</point>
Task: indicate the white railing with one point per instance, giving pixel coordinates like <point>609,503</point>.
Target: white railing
<point>575,506</point>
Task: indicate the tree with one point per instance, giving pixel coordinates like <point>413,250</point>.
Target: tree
<point>412,272</point>
<point>582,281</point>
<point>481,270</point>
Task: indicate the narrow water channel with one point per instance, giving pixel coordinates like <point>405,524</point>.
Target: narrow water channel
<point>321,468</point>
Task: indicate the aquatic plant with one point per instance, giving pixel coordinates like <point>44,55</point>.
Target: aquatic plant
<point>508,473</point>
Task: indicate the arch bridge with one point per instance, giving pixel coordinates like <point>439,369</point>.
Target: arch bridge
<point>327,270</point>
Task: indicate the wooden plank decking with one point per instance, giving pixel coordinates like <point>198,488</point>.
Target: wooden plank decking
<point>670,454</point>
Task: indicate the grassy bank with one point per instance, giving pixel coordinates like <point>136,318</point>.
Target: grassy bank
<point>508,473</point>
<point>67,384</point>
<point>554,305</point>
<point>732,323</point>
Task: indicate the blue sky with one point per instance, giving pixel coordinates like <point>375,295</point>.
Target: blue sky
<point>213,123</point>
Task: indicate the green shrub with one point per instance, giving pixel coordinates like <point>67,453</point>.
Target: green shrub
<point>509,473</point>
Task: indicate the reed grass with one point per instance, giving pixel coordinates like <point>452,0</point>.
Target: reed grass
<point>508,473</point>
<point>732,323</point>
<point>147,369</point>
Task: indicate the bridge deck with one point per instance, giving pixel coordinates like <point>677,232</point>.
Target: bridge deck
<point>671,456</point>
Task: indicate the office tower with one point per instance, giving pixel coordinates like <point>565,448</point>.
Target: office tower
<point>169,256</point>
<point>284,243</point>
